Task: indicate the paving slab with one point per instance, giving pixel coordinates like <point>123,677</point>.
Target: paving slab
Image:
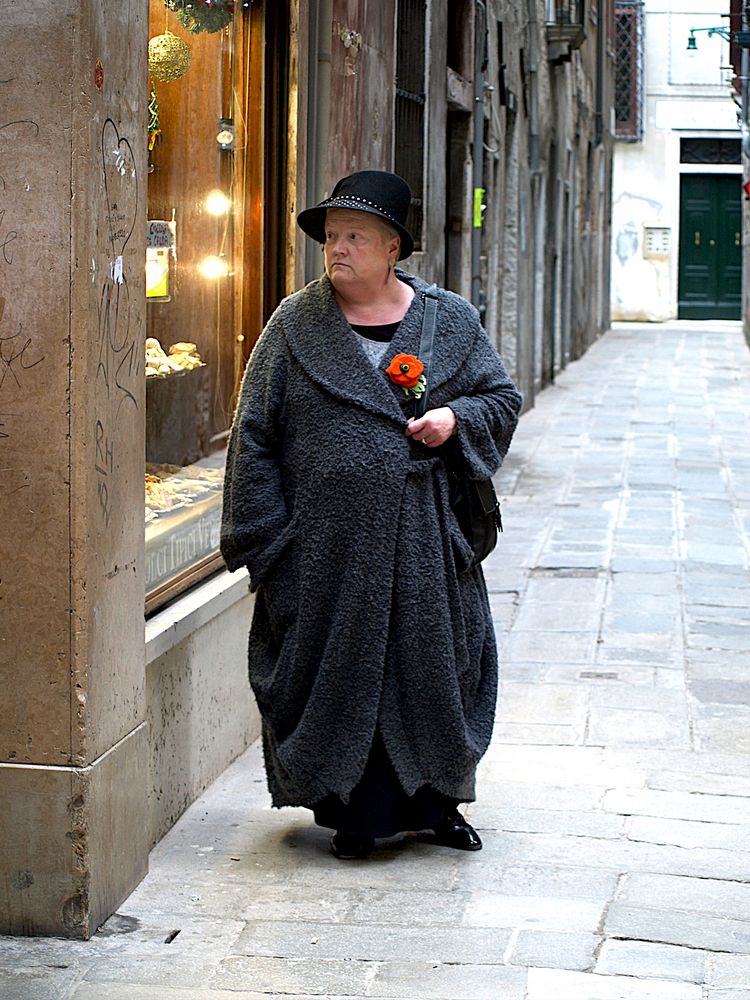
<point>713,784</point>
<point>554,949</point>
<point>690,834</point>
<point>609,726</point>
<point>547,984</point>
<point>279,976</point>
<point>643,959</point>
<point>705,931</point>
<point>482,944</point>
<point>103,991</point>
<point>700,895</point>
<point>40,983</point>
<point>729,971</point>
<point>487,909</point>
<point>679,805</point>
<point>558,882</point>
<point>542,820</point>
<point>421,981</point>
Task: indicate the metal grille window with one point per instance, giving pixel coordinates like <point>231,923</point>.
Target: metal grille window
<point>628,71</point>
<point>710,150</point>
<point>410,108</point>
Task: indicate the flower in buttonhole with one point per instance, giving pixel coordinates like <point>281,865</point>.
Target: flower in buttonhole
<point>406,370</point>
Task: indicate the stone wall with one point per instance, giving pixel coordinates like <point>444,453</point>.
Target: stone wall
<point>548,169</point>
<point>73,735</point>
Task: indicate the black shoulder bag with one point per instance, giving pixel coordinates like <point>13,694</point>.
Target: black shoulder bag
<point>474,501</point>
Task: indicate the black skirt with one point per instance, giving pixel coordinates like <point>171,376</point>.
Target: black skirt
<point>378,805</point>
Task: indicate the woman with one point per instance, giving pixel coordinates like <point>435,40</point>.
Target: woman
<point>371,654</point>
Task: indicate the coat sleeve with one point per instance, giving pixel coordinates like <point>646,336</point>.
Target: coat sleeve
<point>487,411</point>
<point>255,521</point>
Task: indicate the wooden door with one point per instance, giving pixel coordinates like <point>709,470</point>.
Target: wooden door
<point>710,267</point>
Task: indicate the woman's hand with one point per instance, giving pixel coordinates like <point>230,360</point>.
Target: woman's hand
<point>434,428</point>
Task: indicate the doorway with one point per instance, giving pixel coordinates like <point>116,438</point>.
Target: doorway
<point>710,267</point>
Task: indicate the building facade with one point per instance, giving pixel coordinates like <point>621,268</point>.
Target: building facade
<point>498,114</point>
<point>677,198</point>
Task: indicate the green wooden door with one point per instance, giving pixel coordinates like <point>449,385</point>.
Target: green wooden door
<point>710,275</point>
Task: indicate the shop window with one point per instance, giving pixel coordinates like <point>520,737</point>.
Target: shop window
<point>410,108</point>
<point>205,173</point>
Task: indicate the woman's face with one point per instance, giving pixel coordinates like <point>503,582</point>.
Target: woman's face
<point>357,249</point>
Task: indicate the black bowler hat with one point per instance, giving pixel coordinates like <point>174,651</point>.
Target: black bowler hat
<point>378,192</point>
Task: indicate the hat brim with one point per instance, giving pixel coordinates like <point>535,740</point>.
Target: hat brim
<point>312,222</point>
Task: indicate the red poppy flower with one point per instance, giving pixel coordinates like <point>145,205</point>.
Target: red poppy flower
<point>405,370</point>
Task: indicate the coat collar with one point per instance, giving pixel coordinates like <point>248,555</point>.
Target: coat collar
<point>323,343</point>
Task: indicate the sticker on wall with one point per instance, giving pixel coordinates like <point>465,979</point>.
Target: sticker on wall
<point>161,253</point>
<point>157,274</point>
<point>99,75</point>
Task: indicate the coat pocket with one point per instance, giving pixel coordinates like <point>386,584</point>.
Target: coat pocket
<point>280,586</point>
<point>281,591</point>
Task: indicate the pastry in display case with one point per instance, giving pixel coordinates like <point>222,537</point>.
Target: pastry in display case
<point>183,517</point>
<point>177,403</point>
<point>182,357</point>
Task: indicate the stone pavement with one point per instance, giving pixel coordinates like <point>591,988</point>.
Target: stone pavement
<point>614,802</point>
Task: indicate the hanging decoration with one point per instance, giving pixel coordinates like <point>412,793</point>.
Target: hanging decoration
<point>169,57</point>
<point>154,125</point>
<point>205,15</point>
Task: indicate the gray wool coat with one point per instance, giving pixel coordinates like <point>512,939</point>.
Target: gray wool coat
<point>367,615</point>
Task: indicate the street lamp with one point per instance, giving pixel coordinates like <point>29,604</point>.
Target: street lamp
<point>692,44</point>
<point>740,38</point>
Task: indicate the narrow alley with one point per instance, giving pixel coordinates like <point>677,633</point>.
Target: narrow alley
<point>614,804</point>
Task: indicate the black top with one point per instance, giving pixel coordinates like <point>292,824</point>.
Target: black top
<point>382,332</point>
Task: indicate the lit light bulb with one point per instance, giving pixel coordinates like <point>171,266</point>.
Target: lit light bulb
<point>213,267</point>
<point>217,202</point>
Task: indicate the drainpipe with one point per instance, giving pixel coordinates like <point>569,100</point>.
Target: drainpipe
<point>598,116</point>
<point>745,116</point>
<point>480,48</point>
<point>534,157</point>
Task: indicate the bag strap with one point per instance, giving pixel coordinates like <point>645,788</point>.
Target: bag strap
<point>426,340</point>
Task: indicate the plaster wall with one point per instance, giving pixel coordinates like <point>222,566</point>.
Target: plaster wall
<point>686,94</point>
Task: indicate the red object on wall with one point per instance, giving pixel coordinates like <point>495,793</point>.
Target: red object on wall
<point>99,74</point>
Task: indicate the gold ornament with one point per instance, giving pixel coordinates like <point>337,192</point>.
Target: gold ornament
<point>169,57</point>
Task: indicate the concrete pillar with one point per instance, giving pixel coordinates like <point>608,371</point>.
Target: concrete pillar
<point>73,742</point>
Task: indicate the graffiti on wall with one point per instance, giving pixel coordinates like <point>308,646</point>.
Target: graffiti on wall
<point>119,361</point>
<point>18,352</point>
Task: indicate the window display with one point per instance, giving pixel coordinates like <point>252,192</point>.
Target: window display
<point>193,283</point>
<point>216,262</point>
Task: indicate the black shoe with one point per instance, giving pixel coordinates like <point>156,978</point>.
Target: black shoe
<point>455,832</point>
<point>349,846</point>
